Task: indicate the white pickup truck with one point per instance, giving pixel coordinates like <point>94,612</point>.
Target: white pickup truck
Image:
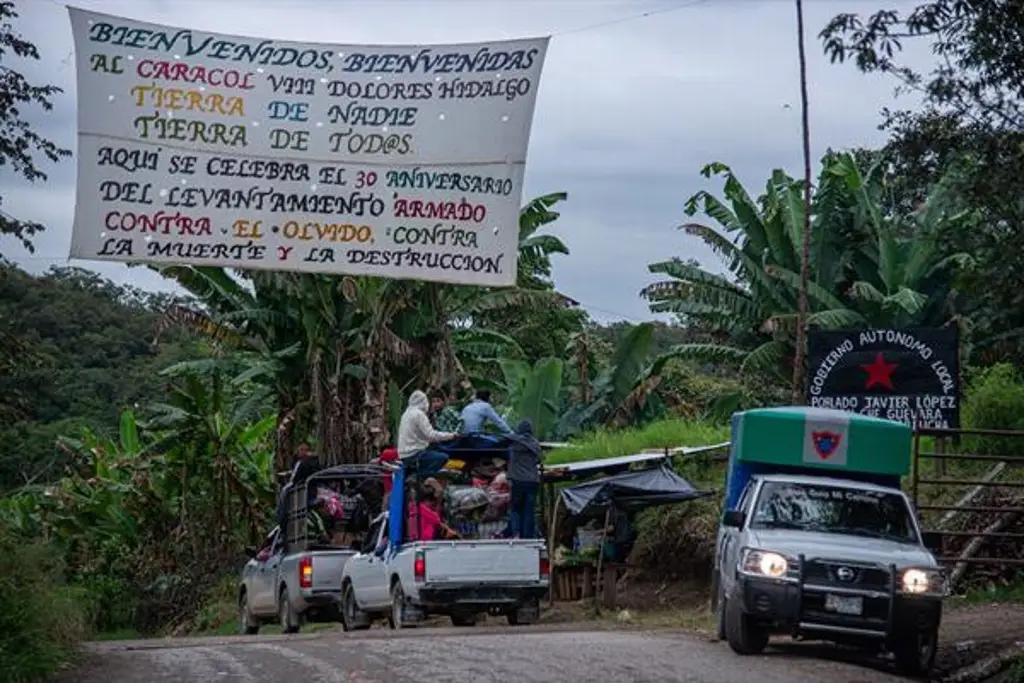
<point>829,559</point>
<point>457,578</point>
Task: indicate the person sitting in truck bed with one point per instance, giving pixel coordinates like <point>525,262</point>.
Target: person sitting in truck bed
<point>416,436</point>
<point>424,517</point>
<point>479,413</point>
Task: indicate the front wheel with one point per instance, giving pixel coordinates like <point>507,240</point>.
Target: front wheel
<point>290,621</point>
<point>397,617</point>
<point>745,635</point>
<point>247,624</point>
<point>352,618</point>
<point>915,656</point>
<point>720,606</point>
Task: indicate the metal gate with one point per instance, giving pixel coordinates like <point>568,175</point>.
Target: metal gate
<point>951,485</point>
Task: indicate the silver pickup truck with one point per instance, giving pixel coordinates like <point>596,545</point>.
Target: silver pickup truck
<point>290,587</point>
<point>295,576</point>
<point>828,559</point>
<point>458,578</point>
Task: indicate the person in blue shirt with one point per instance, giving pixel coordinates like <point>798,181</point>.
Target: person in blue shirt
<point>480,413</point>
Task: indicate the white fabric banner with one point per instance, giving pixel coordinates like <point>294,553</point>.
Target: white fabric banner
<point>208,149</point>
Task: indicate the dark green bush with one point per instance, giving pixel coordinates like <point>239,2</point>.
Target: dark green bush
<point>41,619</point>
<point>995,400</point>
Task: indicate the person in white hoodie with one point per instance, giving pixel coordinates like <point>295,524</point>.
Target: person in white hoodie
<point>416,436</point>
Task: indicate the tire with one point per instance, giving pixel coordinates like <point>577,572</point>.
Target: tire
<point>745,636</point>
<point>248,625</point>
<point>350,612</point>
<point>721,605</point>
<point>915,656</point>
<point>396,616</point>
<point>513,616</point>
<point>463,620</point>
<point>290,621</point>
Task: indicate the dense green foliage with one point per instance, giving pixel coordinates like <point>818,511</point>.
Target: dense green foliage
<point>41,617</point>
<point>88,355</point>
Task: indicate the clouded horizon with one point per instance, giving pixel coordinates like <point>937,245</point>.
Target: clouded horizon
<point>630,108</point>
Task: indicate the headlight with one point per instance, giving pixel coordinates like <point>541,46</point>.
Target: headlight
<point>764,563</point>
<point>918,581</point>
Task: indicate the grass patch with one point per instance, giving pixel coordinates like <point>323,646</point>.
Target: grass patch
<point>1013,592</point>
<point>652,437</point>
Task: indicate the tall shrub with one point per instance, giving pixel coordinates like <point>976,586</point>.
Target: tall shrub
<point>41,622</point>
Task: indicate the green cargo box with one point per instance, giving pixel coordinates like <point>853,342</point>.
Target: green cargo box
<point>821,438</point>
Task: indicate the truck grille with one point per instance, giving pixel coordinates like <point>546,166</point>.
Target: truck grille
<point>847,575</point>
<point>875,615</point>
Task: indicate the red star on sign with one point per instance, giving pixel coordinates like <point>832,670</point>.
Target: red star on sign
<point>879,372</point>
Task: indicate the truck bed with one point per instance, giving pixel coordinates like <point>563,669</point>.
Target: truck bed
<point>328,564</point>
<point>483,561</point>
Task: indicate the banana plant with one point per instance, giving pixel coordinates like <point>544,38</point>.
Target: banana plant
<point>626,390</point>
<point>532,392</point>
<point>869,265</point>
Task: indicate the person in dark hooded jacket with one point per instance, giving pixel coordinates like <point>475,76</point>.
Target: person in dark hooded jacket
<point>524,478</point>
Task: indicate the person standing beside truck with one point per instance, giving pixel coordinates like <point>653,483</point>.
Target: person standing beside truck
<point>524,478</point>
<point>479,413</point>
<point>416,437</point>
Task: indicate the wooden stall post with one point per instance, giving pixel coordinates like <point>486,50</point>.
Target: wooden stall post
<point>552,530</point>
<point>600,557</point>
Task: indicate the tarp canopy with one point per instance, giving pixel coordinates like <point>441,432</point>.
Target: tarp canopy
<point>630,491</point>
<point>587,468</point>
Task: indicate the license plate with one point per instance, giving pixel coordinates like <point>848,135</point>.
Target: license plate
<point>844,605</point>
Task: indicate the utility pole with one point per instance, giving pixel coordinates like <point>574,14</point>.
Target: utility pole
<point>805,237</point>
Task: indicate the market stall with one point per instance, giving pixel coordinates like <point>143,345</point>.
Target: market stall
<point>603,513</point>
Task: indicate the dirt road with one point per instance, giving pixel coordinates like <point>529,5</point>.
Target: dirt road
<point>463,656</point>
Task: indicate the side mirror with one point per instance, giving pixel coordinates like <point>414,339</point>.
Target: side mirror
<point>733,518</point>
<point>932,540</point>
<point>251,551</point>
<point>380,550</point>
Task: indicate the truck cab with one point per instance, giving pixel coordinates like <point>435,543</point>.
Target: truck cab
<point>820,543</point>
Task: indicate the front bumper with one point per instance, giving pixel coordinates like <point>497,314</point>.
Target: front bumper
<point>480,596</point>
<point>799,606</point>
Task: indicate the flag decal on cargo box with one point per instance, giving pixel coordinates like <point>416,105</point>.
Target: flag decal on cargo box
<point>826,443</point>
<point>826,438</point>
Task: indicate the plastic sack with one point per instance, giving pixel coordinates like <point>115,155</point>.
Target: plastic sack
<point>330,503</point>
<point>468,498</point>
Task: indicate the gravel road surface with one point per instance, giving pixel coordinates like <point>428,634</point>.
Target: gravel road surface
<point>462,656</point>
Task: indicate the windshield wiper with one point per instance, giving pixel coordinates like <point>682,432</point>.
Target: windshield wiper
<point>780,524</point>
<point>872,533</point>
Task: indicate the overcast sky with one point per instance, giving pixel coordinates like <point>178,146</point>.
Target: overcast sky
<point>629,109</point>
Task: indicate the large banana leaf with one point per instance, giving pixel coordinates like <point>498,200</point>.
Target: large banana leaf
<point>538,401</point>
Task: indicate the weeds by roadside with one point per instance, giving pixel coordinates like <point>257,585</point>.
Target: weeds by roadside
<point>42,620</point>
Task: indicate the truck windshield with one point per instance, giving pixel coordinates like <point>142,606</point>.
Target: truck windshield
<point>834,509</point>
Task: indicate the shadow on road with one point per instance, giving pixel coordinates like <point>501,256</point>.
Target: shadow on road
<point>868,661</point>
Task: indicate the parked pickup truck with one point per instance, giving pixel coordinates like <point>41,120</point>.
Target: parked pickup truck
<point>818,541</point>
<point>405,582</point>
<point>295,576</point>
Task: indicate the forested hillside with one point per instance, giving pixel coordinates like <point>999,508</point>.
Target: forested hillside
<point>83,353</point>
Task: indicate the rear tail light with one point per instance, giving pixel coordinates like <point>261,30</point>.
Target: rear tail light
<point>545,566</point>
<point>306,572</point>
<point>419,566</point>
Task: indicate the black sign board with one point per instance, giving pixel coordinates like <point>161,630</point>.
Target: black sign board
<point>909,375</point>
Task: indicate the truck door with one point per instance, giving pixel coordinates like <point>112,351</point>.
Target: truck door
<point>367,569</point>
<point>259,601</point>
<point>729,544</point>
